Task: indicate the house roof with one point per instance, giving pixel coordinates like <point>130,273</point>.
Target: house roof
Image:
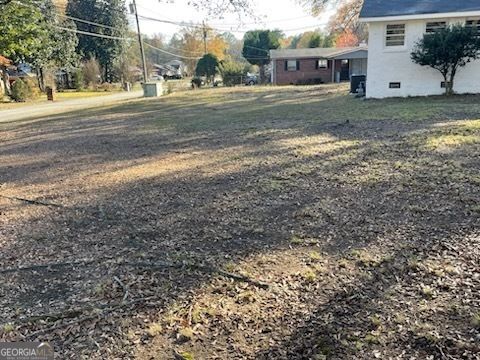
<point>388,8</point>
<point>4,61</point>
<point>324,53</point>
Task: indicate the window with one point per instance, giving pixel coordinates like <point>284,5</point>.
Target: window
<point>395,35</point>
<point>475,24</point>
<point>322,64</point>
<point>433,27</point>
<point>395,85</point>
<point>442,84</point>
<point>292,65</point>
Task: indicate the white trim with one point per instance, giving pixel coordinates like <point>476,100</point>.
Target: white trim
<point>420,16</point>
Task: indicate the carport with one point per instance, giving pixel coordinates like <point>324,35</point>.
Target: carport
<point>348,63</point>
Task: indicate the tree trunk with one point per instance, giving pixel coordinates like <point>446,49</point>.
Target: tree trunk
<point>262,74</point>
<point>4,76</point>
<point>451,82</point>
<point>448,88</point>
<point>41,79</point>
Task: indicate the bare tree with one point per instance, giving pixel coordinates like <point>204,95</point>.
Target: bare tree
<point>220,7</point>
<point>316,7</point>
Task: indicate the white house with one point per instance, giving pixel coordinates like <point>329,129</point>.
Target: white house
<point>394,28</point>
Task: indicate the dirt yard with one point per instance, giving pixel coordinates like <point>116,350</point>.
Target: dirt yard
<point>251,223</point>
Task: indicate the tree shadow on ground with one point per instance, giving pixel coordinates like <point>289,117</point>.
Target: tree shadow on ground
<point>240,184</point>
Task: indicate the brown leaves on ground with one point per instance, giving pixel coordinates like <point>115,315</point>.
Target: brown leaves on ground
<point>361,217</point>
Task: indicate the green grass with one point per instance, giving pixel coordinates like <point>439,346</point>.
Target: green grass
<point>254,110</point>
<point>68,95</point>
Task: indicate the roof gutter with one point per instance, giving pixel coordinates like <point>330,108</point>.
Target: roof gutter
<point>420,16</point>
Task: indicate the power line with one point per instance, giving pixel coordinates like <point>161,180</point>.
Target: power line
<point>236,24</point>
<point>256,48</point>
<point>75,18</point>
<point>88,22</point>
<point>184,24</point>
<point>93,34</point>
<point>186,51</point>
<point>114,28</point>
<point>130,39</point>
<point>200,26</point>
<point>169,53</point>
<point>265,23</point>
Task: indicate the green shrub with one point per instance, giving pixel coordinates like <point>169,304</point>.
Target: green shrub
<point>207,66</point>
<point>197,82</point>
<point>232,73</point>
<point>32,84</point>
<point>21,91</point>
<point>78,80</point>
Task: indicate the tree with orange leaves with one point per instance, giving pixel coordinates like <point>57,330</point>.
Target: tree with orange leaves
<point>344,24</point>
<point>190,43</point>
<point>346,39</point>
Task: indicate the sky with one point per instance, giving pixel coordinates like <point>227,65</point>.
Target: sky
<point>285,15</point>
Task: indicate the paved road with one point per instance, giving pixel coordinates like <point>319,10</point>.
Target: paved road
<point>54,108</point>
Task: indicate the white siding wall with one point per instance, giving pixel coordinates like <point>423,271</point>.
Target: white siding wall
<point>389,64</point>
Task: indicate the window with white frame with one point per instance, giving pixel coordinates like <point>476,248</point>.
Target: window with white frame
<point>322,64</point>
<point>474,24</point>
<point>395,35</point>
<point>292,65</point>
<point>434,26</point>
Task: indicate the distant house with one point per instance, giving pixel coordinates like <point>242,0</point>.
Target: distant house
<point>180,67</point>
<point>174,69</point>
<point>394,28</point>
<point>317,65</point>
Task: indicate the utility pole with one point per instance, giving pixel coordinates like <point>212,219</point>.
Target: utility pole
<point>133,10</point>
<point>205,35</point>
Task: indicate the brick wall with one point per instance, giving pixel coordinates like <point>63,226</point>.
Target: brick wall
<point>307,71</point>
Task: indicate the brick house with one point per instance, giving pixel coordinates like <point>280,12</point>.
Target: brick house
<point>317,65</point>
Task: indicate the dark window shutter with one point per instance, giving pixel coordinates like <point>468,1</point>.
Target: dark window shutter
<point>286,65</point>
<point>316,64</point>
<point>298,65</point>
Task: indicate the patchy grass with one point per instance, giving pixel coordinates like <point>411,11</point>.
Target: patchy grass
<point>360,216</point>
<point>68,95</point>
<point>59,97</point>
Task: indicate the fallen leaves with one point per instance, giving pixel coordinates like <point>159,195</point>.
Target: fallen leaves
<point>269,231</point>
